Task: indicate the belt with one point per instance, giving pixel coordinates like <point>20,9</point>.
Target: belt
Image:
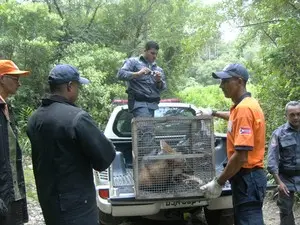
<point>290,172</point>
<point>249,170</point>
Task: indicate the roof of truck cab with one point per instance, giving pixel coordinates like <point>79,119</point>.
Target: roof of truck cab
<point>108,129</point>
<point>162,104</point>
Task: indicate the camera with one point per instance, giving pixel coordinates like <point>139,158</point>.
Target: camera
<point>153,73</point>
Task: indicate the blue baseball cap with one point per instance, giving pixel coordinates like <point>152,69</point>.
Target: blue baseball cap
<point>232,70</point>
<point>64,73</point>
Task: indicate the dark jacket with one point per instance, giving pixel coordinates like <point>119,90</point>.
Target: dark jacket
<point>284,155</point>
<point>66,146</point>
<point>143,89</point>
<point>6,181</point>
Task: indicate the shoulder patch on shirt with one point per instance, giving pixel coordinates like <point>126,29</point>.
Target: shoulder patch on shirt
<point>229,126</point>
<point>245,130</point>
<point>273,142</point>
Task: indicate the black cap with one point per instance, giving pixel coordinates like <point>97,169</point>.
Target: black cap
<point>64,73</point>
<point>232,70</point>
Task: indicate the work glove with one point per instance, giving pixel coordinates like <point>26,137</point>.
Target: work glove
<point>204,112</point>
<point>212,189</point>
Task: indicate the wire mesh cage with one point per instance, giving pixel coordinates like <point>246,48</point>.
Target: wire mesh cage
<point>172,156</point>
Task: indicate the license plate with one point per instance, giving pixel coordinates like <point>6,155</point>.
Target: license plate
<point>182,204</point>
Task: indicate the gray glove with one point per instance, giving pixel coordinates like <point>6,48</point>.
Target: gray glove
<point>3,208</point>
<point>212,189</point>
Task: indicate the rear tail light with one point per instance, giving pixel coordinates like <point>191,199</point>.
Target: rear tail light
<point>103,193</point>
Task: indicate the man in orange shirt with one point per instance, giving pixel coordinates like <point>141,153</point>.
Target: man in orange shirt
<point>245,148</point>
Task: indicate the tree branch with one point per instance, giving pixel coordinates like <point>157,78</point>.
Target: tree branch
<point>58,9</point>
<point>272,39</point>
<point>49,6</point>
<point>93,16</point>
<point>260,23</point>
<point>291,4</point>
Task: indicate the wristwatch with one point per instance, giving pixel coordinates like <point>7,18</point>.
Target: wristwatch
<point>213,112</point>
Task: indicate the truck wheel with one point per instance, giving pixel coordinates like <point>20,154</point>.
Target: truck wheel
<point>107,219</point>
<point>219,217</point>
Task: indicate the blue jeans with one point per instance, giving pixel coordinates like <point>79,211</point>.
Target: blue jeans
<point>248,192</point>
<point>143,112</point>
<point>285,204</point>
<point>146,132</point>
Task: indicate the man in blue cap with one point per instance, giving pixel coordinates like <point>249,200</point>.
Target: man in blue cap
<point>66,145</point>
<point>245,149</point>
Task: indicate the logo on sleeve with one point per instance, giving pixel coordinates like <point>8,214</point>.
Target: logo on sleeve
<point>229,126</point>
<point>274,142</point>
<point>245,130</point>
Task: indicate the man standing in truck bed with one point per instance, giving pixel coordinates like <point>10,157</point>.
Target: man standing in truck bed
<point>145,81</point>
<point>245,149</point>
<point>66,145</point>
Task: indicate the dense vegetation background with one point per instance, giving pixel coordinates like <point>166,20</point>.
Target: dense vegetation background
<point>98,35</point>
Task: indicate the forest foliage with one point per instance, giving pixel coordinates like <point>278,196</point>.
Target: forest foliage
<point>97,36</point>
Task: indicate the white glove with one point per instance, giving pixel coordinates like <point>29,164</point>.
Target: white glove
<point>212,189</point>
<point>204,111</point>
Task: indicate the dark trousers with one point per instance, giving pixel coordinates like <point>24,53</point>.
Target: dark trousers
<point>90,218</point>
<point>248,192</point>
<point>285,204</point>
<point>70,210</point>
<point>14,215</point>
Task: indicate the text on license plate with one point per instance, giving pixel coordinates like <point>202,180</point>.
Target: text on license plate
<point>181,204</point>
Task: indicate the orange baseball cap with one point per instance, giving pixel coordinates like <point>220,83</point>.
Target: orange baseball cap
<point>8,67</point>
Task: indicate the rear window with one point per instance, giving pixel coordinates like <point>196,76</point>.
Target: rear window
<point>122,124</point>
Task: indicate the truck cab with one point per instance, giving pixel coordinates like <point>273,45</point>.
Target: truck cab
<point>119,189</point>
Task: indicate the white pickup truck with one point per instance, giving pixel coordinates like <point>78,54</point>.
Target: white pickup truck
<point>119,188</point>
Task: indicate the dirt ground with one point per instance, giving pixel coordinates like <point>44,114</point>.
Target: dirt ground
<point>270,210</point>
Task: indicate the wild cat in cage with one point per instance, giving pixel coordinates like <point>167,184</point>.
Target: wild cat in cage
<point>161,173</point>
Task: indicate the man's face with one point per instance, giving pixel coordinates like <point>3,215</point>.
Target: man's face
<point>73,90</point>
<point>230,86</point>
<point>293,116</point>
<point>150,55</point>
<point>10,83</point>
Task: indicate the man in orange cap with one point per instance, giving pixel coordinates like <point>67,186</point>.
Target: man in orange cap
<point>13,206</point>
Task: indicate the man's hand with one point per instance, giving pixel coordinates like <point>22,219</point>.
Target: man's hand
<point>283,189</point>
<point>204,111</point>
<point>212,189</point>
<point>143,71</point>
<point>157,76</point>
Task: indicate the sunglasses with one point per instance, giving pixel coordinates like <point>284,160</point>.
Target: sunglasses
<point>12,77</point>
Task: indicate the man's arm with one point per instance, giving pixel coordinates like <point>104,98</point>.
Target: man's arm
<point>94,144</point>
<point>233,166</point>
<point>221,114</point>
<point>210,112</point>
<point>243,142</point>
<point>127,70</point>
<point>273,163</point>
